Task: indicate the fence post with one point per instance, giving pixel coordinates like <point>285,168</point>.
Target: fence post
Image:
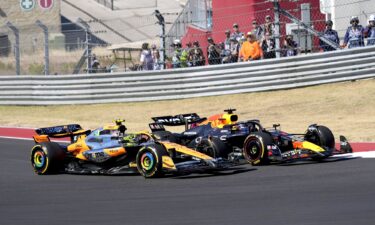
<point>309,29</point>
<point>46,46</point>
<point>161,22</point>
<point>276,8</point>
<point>16,46</point>
<point>86,27</point>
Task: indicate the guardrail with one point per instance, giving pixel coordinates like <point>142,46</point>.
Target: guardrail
<point>275,74</point>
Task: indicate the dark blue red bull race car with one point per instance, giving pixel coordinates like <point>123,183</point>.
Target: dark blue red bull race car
<point>221,135</point>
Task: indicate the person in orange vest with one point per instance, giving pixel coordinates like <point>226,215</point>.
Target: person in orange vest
<point>250,49</point>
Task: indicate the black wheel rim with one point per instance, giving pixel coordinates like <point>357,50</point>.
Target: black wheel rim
<point>253,150</point>
<point>208,150</point>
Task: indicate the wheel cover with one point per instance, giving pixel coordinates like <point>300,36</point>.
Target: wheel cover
<point>147,161</point>
<point>39,159</point>
<point>253,150</point>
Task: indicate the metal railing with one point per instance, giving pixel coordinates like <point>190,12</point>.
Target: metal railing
<point>273,74</point>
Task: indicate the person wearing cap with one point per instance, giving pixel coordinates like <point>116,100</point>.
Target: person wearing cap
<point>237,34</point>
<point>269,26</point>
<point>197,56</point>
<point>290,47</point>
<point>184,59</point>
<point>225,51</point>
<point>227,40</point>
<point>370,31</point>
<point>250,49</point>
<point>354,36</point>
<point>257,30</point>
<point>177,53</point>
<point>330,34</point>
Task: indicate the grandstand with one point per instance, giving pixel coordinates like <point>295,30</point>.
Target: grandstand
<point>129,21</point>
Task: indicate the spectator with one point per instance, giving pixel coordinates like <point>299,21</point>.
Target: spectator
<point>370,31</point>
<point>185,55</point>
<point>114,68</point>
<point>234,50</point>
<point>354,36</point>
<point>197,55</point>
<point>146,60</point>
<point>177,54</point>
<point>242,40</point>
<point>236,33</point>
<point>224,53</point>
<point>156,57</point>
<point>227,40</point>
<point>330,34</point>
<point>269,26</point>
<point>94,64</point>
<point>257,31</point>
<point>213,52</point>
<point>268,46</point>
<point>250,49</point>
<point>289,46</point>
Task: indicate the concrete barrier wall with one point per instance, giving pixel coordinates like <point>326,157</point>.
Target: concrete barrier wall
<point>276,74</point>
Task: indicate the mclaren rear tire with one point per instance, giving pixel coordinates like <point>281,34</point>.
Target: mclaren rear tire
<point>150,162</point>
<point>255,148</point>
<point>47,158</point>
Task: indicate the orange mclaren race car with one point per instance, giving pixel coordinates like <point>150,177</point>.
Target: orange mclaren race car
<point>109,150</point>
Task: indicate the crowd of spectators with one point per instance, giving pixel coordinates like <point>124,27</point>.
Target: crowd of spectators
<point>259,43</point>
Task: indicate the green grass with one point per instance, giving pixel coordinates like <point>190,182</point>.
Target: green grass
<point>347,108</point>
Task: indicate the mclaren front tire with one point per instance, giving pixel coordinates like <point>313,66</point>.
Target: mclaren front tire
<point>149,160</point>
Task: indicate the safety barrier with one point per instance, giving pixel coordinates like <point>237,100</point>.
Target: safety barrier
<point>264,75</point>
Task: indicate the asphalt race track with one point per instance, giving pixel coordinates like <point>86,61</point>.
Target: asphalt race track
<point>338,192</point>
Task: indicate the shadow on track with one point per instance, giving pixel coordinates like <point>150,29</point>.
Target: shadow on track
<point>309,162</point>
<point>206,174</point>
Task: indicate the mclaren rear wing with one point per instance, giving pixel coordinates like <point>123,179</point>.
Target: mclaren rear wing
<point>179,120</point>
<point>71,130</point>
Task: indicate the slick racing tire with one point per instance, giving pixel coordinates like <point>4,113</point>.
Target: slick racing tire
<point>255,148</point>
<point>213,147</point>
<point>47,158</point>
<point>149,160</point>
<point>322,136</point>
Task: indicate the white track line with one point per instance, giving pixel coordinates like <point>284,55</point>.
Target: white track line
<point>17,138</point>
<point>368,155</point>
<point>30,139</point>
<point>26,128</point>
